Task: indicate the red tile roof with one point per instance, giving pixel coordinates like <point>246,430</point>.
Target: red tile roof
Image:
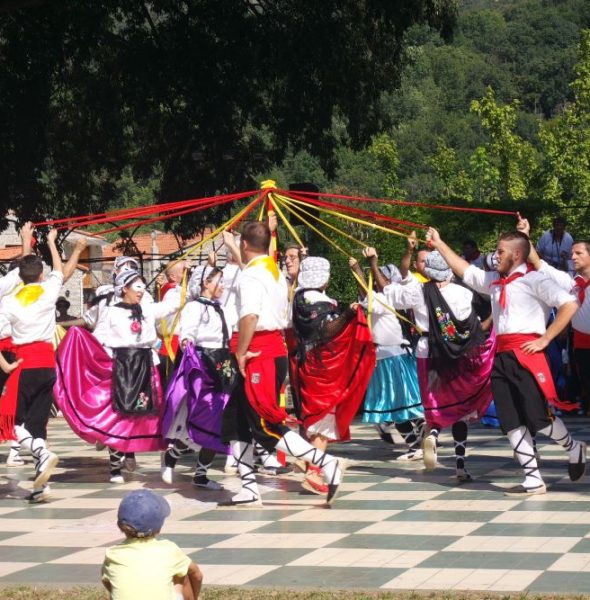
<point>166,243</point>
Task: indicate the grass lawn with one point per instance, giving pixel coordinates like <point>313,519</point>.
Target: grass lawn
<point>245,593</point>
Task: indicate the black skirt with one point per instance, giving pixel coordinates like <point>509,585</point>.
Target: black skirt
<point>133,389</point>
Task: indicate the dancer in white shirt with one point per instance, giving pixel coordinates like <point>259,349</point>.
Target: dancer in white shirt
<point>521,380</point>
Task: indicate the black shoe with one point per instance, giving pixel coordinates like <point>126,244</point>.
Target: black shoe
<point>520,490</point>
<point>385,435</point>
<point>576,470</point>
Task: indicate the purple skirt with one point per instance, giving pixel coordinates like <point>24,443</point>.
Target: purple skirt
<point>463,393</point>
<point>83,393</point>
<point>194,405</point>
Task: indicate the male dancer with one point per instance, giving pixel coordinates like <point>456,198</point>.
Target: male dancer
<point>581,321</point>
<point>521,379</point>
<point>253,410</point>
<point>29,391</point>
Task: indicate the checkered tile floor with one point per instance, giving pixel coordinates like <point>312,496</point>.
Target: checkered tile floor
<point>394,526</point>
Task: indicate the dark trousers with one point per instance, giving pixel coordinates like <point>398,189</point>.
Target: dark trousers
<point>582,362</point>
<point>519,400</point>
<point>241,422</point>
<point>35,397</point>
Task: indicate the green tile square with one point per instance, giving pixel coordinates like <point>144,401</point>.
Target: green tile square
<point>38,554</point>
<point>562,583</point>
<point>240,514</point>
<point>343,504</point>
<point>288,527</point>
<point>394,542</point>
<point>34,511</point>
<point>248,556</point>
<point>196,540</point>
<point>336,577</point>
<point>582,546</point>
<point>551,505</point>
<point>534,530</point>
<point>489,560</point>
<point>56,574</point>
<point>463,516</point>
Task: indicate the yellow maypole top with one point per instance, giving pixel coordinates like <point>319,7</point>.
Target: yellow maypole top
<point>268,184</point>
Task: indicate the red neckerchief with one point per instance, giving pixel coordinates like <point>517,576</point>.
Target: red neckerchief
<point>581,284</point>
<point>504,281</point>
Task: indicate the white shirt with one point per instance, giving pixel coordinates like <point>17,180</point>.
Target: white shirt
<point>409,294</point>
<point>550,249</point>
<point>581,320</point>
<point>261,294</point>
<point>36,321</point>
<point>529,299</point>
<point>201,325</point>
<point>172,322</point>
<point>8,284</point>
<point>117,322</point>
<point>229,298</point>
<point>385,328</point>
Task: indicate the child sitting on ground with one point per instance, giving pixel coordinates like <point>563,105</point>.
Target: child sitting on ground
<point>144,566</point>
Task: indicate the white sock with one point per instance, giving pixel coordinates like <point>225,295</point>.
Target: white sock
<point>244,456</point>
<point>293,444</point>
<point>558,432</point>
<point>522,444</point>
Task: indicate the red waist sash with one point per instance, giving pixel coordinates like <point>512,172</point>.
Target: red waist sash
<point>260,382</point>
<point>581,340</point>
<point>7,345</point>
<point>36,355</point>
<point>536,364</point>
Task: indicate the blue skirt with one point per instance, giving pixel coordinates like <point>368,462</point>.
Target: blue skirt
<point>393,393</point>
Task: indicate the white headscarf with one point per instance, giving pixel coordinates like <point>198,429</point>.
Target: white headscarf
<point>314,272</point>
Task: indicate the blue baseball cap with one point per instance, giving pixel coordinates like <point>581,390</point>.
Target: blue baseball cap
<point>143,510</point>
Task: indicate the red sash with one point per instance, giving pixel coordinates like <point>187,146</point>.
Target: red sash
<point>581,340</point>
<point>7,345</point>
<point>36,355</point>
<point>536,364</point>
<point>260,381</point>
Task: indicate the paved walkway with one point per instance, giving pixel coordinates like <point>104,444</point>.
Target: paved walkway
<point>394,526</point>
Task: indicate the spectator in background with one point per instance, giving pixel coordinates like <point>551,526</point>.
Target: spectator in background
<point>62,305</point>
<point>555,245</point>
<point>472,254</point>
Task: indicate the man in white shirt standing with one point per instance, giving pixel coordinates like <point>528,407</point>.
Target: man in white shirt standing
<point>581,322</point>
<point>253,411</point>
<point>521,379</point>
<point>555,245</point>
<point>29,390</point>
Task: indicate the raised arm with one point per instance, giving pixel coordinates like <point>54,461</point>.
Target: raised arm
<point>72,263</point>
<point>230,244</point>
<point>458,265</point>
<point>380,280</point>
<point>524,226</point>
<point>26,236</point>
<point>406,261</point>
<point>353,263</point>
<point>55,257</point>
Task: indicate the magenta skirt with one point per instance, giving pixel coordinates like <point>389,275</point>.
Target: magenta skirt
<point>463,393</point>
<point>83,394</point>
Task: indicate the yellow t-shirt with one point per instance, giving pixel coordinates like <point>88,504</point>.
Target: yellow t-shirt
<point>144,568</point>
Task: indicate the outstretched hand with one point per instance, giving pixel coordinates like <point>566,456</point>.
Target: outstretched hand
<point>412,241</point>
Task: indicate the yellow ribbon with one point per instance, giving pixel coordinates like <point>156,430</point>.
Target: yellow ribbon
<point>268,263</point>
<point>29,294</point>
<point>168,335</point>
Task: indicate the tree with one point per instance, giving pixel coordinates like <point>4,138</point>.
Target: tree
<point>206,93</point>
